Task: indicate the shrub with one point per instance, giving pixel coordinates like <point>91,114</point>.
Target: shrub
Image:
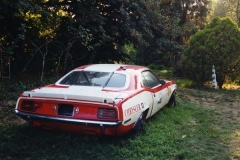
<point>218,44</point>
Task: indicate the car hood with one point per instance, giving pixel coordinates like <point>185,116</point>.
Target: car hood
<point>85,93</point>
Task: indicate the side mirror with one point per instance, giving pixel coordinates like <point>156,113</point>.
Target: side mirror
<point>162,82</point>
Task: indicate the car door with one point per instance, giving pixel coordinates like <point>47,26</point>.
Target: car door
<point>155,87</point>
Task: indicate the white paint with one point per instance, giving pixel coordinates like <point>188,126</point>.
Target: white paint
<point>76,92</point>
<point>103,67</point>
<point>143,97</point>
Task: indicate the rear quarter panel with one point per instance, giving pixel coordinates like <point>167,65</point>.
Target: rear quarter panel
<point>133,106</point>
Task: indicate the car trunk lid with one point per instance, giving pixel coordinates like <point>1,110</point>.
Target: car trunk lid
<point>85,93</point>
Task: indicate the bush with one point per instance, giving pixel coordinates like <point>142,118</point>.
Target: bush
<point>218,44</point>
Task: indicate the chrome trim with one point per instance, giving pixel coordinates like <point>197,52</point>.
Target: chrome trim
<point>29,117</point>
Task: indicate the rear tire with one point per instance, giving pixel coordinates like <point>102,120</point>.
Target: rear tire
<point>172,100</point>
<point>139,126</point>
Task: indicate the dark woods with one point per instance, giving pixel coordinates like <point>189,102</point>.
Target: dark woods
<point>50,37</point>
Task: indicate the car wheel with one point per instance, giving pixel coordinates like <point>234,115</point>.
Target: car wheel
<point>172,100</point>
<point>139,126</point>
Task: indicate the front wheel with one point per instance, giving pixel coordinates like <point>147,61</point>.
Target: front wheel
<point>172,100</point>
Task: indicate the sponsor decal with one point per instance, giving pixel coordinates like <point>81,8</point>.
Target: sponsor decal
<point>132,110</point>
<point>142,105</point>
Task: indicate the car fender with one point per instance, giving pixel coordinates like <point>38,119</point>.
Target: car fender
<point>172,89</point>
<point>133,107</point>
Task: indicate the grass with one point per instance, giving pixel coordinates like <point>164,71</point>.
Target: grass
<point>167,74</point>
<point>184,132</point>
<point>189,131</point>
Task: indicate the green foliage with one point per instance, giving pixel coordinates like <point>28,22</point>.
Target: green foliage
<point>155,66</point>
<point>156,27</point>
<point>12,26</point>
<point>10,89</point>
<point>227,9</point>
<point>218,44</point>
<point>131,52</point>
<point>168,75</point>
<point>52,37</point>
<point>184,83</point>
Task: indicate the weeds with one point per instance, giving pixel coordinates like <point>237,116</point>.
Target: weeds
<point>10,90</point>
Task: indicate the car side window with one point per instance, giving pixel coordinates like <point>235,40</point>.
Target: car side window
<point>149,79</point>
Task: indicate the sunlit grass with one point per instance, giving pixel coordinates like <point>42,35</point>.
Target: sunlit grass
<point>163,74</point>
<point>235,149</point>
<point>167,74</point>
<point>231,86</point>
<point>184,83</point>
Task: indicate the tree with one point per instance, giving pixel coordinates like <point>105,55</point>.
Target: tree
<point>218,44</point>
<point>193,17</point>
<point>46,36</point>
<point>152,28</point>
<point>219,10</point>
<point>11,24</point>
<point>230,8</point>
<point>194,10</point>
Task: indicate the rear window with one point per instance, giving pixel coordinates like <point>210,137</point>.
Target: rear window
<point>117,81</point>
<point>86,78</point>
<point>90,78</point>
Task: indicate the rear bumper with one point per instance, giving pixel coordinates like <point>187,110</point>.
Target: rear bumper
<point>35,117</point>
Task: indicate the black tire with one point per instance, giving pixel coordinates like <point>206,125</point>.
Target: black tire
<point>172,100</point>
<point>139,126</point>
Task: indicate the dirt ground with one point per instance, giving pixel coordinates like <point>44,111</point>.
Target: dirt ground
<point>226,106</point>
<point>224,103</point>
<point>7,114</point>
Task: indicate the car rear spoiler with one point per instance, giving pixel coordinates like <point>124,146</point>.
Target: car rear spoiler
<point>103,97</point>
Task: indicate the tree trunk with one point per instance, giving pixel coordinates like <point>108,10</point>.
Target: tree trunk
<point>220,82</point>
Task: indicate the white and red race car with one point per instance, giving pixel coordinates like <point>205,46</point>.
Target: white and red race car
<point>105,99</point>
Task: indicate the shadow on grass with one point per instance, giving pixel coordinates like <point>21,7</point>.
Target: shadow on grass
<point>26,142</point>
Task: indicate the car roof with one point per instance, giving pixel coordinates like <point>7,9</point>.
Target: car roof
<point>111,67</point>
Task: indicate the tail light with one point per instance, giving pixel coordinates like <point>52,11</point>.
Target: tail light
<point>30,105</point>
<point>106,114</point>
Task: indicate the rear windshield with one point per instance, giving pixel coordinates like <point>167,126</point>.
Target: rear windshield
<point>90,78</point>
<point>117,80</point>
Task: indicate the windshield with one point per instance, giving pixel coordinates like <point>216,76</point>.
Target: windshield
<point>91,78</point>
